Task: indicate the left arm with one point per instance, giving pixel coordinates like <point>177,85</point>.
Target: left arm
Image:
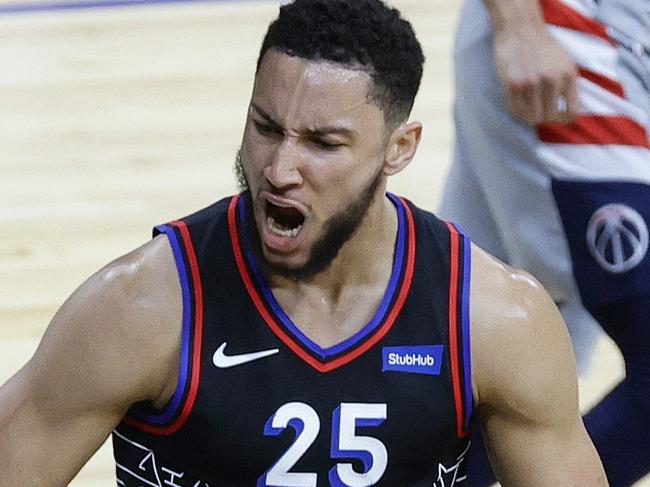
<point>525,382</point>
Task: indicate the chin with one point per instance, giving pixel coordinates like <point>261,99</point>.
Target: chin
<point>289,263</point>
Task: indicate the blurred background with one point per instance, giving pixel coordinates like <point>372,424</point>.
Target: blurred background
<point>117,115</point>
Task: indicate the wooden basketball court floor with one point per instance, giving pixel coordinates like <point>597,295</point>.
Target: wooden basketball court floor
<point>117,118</point>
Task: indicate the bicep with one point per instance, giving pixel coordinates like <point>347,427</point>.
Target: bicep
<point>530,418</point>
<point>531,453</point>
<point>532,427</point>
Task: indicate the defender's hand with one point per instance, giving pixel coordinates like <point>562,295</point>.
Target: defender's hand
<point>538,76</point>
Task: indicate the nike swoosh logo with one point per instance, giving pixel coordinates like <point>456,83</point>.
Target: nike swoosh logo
<point>223,361</point>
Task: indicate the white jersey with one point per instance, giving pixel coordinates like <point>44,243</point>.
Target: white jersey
<point>532,195</point>
<point>629,17</point>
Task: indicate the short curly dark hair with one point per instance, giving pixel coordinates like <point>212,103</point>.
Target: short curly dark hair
<point>359,33</point>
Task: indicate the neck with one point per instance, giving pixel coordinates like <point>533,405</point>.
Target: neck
<point>364,260</point>
<point>338,302</point>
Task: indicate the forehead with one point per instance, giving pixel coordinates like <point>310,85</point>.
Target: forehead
<point>296,90</point>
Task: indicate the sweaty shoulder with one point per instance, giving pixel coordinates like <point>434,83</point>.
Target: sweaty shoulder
<point>118,335</point>
<point>518,336</point>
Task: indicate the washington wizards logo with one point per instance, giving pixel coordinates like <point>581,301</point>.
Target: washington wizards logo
<point>451,475</point>
<point>617,237</point>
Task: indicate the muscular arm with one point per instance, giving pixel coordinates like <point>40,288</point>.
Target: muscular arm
<point>534,70</point>
<point>114,342</point>
<point>525,382</point>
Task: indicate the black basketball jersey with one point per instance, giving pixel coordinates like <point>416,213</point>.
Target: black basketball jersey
<point>260,404</point>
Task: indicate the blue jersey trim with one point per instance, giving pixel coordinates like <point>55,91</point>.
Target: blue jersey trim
<point>176,402</point>
<point>467,355</point>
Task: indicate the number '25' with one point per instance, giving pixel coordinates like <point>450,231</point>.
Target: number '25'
<point>345,444</point>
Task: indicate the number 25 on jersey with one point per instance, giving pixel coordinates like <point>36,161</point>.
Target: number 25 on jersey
<point>345,444</point>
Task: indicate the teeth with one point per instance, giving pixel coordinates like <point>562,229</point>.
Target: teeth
<point>275,228</point>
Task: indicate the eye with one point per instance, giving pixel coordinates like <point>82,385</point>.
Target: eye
<point>266,129</point>
<point>323,144</point>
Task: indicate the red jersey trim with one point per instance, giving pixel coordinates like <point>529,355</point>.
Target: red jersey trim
<point>454,282</point>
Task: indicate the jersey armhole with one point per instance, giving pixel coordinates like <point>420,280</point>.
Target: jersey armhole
<point>169,419</point>
<point>459,328</point>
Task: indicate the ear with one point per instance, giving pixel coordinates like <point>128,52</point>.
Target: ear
<point>401,147</point>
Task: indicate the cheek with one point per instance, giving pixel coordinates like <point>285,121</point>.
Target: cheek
<point>329,175</point>
<point>349,171</point>
<point>253,154</point>
<point>248,142</point>
<point>339,182</point>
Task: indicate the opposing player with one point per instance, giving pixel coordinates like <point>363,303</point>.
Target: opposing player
<point>567,202</point>
<point>314,329</point>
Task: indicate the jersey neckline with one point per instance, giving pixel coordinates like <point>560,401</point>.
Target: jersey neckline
<point>330,358</point>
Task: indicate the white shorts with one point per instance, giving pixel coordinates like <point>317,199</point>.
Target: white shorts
<point>548,199</point>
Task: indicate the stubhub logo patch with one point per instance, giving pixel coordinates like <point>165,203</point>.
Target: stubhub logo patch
<point>415,359</point>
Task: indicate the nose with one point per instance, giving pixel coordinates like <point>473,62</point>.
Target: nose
<point>283,171</point>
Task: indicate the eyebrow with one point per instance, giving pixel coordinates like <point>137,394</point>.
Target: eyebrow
<point>315,132</point>
<point>267,118</point>
<point>320,131</point>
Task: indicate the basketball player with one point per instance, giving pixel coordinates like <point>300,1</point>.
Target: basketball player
<point>568,202</point>
<point>313,330</point>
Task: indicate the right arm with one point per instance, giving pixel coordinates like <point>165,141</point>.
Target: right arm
<point>534,70</point>
<point>114,342</point>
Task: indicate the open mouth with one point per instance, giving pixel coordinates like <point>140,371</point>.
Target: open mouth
<point>283,221</point>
